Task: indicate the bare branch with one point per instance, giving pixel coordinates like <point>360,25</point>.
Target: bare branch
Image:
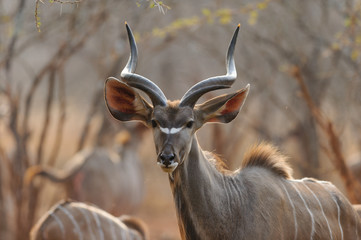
<point>89,118</point>
<point>47,115</point>
<point>61,121</point>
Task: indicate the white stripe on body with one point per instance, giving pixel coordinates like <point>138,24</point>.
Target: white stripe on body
<point>308,209</point>
<point>90,229</point>
<point>100,230</point>
<point>72,219</point>
<point>338,207</point>
<point>323,213</point>
<point>338,216</point>
<point>60,223</point>
<point>170,130</point>
<point>293,210</point>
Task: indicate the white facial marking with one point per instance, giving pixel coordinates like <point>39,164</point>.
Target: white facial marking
<point>293,210</point>
<point>175,130</point>
<point>323,213</point>
<point>73,221</point>
<point>173,165</point>
<point>170,168</point>
<point>170,130</point>
<point>59,222</point>
<point>309,211</point>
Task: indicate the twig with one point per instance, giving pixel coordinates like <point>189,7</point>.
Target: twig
<point>68,2</point>
<point>37,16</point>
<point>89,117</point>
<point>65,51</point>
<point>10,51</point>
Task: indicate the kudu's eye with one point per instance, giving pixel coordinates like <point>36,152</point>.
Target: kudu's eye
<point>154,124</point>
<point>190,124</point>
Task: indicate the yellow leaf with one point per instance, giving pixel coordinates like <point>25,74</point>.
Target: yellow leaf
<point>358,39</point>
<point>262,5</point>
<point>347,22</point>
<point>206,12</point>
<point>224,15</point>
<point>157,32</point>
<point>354,55</point>
<point>335,46</point>
<point>253,16</point>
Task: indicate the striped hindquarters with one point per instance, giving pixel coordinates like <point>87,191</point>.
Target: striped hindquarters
<point>74,220</point>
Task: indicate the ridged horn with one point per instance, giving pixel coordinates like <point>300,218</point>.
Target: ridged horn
<point>138,81</point>
<point>219,82</point>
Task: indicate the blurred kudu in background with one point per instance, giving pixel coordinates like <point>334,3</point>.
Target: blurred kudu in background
<point>74,220</point>
<point>110,179</point>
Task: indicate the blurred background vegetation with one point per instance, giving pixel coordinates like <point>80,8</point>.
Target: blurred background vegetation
<point>302,59</point>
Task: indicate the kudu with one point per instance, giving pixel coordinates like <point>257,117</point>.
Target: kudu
<point>79,221</point>
<point>259,201</point>
<point>112,180</point>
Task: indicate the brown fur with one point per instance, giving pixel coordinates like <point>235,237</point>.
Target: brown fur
<point>218,162</point>
<point>267,156</point>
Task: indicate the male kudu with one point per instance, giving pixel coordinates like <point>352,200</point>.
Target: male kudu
<point>259,201</point>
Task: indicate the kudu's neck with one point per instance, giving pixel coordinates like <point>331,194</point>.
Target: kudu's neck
<point>197,167</point>
<point>199,191</point>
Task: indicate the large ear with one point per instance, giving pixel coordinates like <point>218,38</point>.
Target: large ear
<point>124,103</point>
<point>221,109</point>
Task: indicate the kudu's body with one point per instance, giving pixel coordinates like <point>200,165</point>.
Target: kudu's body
<point>258,201</point>
<point>79,221</point>
<point>112,180</point>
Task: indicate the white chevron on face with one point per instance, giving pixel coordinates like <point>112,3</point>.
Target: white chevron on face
<point>170,130</point>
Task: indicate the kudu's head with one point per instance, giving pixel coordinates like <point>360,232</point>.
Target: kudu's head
<point>173,122</point>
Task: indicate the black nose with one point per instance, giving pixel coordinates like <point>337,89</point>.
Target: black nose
<point>167,158</point>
